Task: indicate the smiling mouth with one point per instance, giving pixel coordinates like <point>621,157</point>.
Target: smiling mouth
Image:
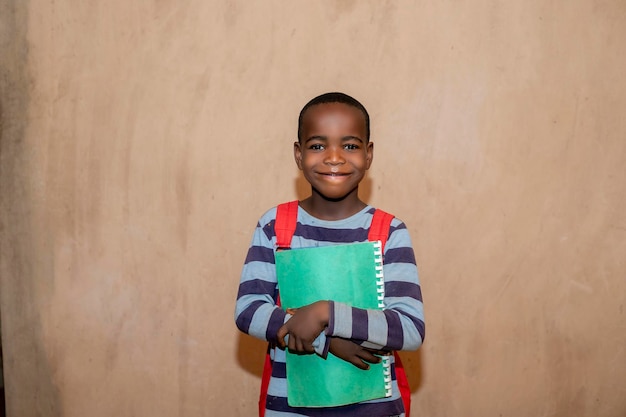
<point>335,177</point>
<point>333,174</point>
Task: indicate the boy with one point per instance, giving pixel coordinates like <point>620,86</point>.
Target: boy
<point>334,152</point>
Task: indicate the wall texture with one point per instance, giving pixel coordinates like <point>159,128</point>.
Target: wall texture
<point>140,142</point>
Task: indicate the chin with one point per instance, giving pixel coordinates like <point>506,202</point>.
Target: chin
<point>334,198</point>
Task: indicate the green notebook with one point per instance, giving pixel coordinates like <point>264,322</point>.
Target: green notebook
<point>348,273</point>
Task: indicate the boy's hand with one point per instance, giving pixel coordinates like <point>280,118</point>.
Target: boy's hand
<point>304,326</point>
<point>354,353</point>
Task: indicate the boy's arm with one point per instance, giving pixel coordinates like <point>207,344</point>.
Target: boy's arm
<point>256,312</point>
<point>400,325</point>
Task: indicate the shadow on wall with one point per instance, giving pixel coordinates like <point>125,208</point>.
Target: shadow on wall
<point>412,362</point>
<point>29,389</point>
<point>251,354</point>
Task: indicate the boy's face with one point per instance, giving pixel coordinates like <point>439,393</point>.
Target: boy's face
<point>333,152</point>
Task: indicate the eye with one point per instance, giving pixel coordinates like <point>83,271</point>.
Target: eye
<point>351,146</point>
<point>316,147</point>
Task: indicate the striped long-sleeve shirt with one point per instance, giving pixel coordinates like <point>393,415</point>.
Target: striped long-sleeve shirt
<point>399,326</point>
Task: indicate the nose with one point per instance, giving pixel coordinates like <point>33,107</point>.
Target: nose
<point>334,156</point>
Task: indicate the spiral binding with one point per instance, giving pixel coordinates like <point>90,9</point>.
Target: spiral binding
<point>380,288</point>
<point>380,278</point>
<point>386,361</point>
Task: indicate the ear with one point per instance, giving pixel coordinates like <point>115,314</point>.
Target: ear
<point>369,149</point>
<point>297,154</point>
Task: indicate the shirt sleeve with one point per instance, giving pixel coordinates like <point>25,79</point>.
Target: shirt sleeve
<point>400,325</point>
<point>256,311</point>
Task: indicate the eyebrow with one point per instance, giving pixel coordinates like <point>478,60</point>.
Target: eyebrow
<point>325,138</point>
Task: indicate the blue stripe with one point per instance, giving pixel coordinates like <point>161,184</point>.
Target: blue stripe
<point>386,408</point>
<point>245,318</point>
<point>279,370</point>
<point>417,322</point>
<point>260,254</point>
<point>276,320</point>
<point>269,231</point>
<point>359,324</point>
<point>400,226</point>
<point>322,234</point>
<point>403,289</point>
<point>394,331</point>
<point>256,286</point>
<point>400,255</point>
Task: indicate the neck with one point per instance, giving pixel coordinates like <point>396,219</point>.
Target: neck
<point>325,209</point>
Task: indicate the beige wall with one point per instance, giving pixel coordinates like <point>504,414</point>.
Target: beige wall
<point>141,140</point>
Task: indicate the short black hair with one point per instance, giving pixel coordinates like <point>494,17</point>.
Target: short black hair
<point>335,97</point>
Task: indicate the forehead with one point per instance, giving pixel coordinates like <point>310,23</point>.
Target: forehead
<point>334,116</point>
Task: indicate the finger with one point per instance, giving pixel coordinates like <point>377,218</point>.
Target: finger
<point>378,352</point>
<point>304,346</point>
<point>280,335</point>
<point>292,343</point>
<point>360,364</point>
<point>369,357</point>
<point>308,347</point>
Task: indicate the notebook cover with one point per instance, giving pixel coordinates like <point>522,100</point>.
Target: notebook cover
<point>349,273</point>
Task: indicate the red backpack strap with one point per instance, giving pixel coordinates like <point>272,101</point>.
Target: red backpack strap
<point>379,230</point>
<point>403,385</point>
<point>285,223</point>
<point>265,382</point>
